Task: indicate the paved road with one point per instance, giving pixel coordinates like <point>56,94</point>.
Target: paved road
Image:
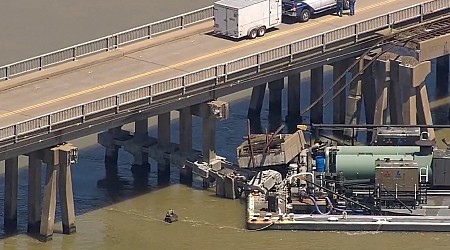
<point>163,62</point>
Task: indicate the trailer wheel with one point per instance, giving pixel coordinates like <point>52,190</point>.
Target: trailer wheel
<point>305,15</point>
<point>253,34</point>
<point>261,31</point>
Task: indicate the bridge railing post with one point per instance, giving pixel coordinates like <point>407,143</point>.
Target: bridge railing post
<point>149,30</point>
<point>182,22</point>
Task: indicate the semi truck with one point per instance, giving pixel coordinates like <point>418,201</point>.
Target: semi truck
<point>246,18</point>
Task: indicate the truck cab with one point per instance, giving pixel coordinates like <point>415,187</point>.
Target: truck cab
<point>303,9</point>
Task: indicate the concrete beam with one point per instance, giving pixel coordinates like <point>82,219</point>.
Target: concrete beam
<point>216,109</point>
<point>11,189</point>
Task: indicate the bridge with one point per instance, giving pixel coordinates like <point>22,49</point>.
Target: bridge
<point>178,65</point>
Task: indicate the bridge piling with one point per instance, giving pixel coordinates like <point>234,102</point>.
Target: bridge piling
<point>140,167</point>
<point>49,200</point>
<point>34,191</point>
<point>185,127</point>
<point>293,117</point>
<point>164,142</point>
<point>11,189</point>
<point>442,74</point>
<point>354,101</point>
<point>382,71</point>
<point>395,94</point>
<point>58,160</point>
<point>316,113</point>
<point>256,101</point>
<point>275,103</point>
<point>339,103</point>
<point>111,157</point>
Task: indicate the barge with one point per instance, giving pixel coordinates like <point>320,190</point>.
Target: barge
<point>390,185</point>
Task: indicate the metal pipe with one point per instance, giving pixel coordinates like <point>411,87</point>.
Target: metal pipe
<point>341,196</point>
<point>300,174</point>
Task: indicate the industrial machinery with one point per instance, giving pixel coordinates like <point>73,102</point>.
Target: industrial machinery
<point>374,179</point>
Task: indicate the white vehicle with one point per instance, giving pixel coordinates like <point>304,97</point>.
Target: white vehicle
<point>251,18</point>
<point>303,9</point>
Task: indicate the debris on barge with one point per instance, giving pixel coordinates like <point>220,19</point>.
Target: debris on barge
<point>394,184</point>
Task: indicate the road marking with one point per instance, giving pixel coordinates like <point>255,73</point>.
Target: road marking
<point>223,51</point>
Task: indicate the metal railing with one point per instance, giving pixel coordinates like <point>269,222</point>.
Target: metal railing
<point>106,43</point>
<point>84,111</point>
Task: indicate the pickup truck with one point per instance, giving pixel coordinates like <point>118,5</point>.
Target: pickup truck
<point>303,9</point>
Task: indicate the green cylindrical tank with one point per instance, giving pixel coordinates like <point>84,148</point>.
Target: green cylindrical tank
<point>358,162</point>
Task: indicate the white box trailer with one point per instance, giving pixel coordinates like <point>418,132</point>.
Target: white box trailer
<point>239,18</point>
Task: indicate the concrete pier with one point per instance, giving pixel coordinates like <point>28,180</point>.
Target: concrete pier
<point>275,103</point>
<point>140,167</point>
<point>163,142</point>
<point>185,124</point>
<point>58,160</point>
<point>65,188</point>
<point>354,100</point>
<point>316,113</point>
<point>256,101</point>
<point>34,191</point>
<point>442,74</point>
<point>49,200</point>
<point>339,103</point>
<point>293,115</point>
<point>11,189</point>
<point>383,78</point>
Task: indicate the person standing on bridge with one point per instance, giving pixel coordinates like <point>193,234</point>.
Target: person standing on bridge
<point>351,5</point>
<point>340,7</point>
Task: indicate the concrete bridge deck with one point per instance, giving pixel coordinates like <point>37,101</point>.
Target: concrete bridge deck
<point>163,62</point>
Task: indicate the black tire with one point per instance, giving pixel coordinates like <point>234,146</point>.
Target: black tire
<point>346,5</point>
<point>253,34</point>
<point>261,31</point>
<point>304,15</point>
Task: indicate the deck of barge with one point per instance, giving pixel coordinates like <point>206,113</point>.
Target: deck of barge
<point>433,217</point>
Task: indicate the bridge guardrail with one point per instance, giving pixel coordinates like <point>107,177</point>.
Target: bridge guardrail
<point>152,90</point>
<point>106,43</point>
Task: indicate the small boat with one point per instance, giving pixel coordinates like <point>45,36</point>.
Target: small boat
<point>170,216</point>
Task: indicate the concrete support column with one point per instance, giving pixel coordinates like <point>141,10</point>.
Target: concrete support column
<point>382,74</point>
<point>209,139</point>
<point>111,156</point>
<point>11,188</point>
<point>354,101</point>
<point>256,101</point>
<point>293,117</point>
<point>164,142</point>
<point>186,143</point>
<point>368,89</point>
<point>275,103</point>
<point>442,75</point>
<point>49,201</point>
<point>424,113</point>
<point>140,167</point>
<point>316,113</point>
<point>339,104</point>
<point>66,192</point>
<point>34,191</point>
<point>395,95</point>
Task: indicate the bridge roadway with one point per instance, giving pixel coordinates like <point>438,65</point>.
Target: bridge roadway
<point>163,62</point>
